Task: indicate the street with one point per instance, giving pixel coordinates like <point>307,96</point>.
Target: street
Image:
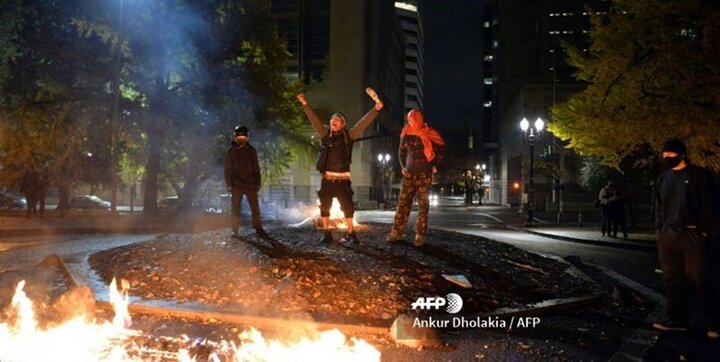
<point>493,222</point>
<point>499,224</point>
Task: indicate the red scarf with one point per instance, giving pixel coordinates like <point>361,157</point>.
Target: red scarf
<point>427,134</point>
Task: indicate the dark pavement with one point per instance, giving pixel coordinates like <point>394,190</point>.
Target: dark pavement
<point>495,222</point>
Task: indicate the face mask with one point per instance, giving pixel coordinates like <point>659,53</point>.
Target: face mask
<point>672,162</point>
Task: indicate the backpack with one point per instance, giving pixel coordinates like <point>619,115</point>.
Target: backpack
<point>321,162</point>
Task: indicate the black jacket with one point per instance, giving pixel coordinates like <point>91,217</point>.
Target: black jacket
<point>242,169</point>
<point>687,197</point>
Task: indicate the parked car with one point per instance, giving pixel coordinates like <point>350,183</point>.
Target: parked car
<point>8,200</point>
<point>86,202</point>
<point>170,205</point>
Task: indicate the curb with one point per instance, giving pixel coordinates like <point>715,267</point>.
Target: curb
<point>617,244</point>
<point>50,231</point>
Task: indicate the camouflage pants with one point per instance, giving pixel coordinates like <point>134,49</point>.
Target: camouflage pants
<point>413,185</point>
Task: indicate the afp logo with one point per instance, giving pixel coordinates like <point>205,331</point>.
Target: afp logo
<point>452,302</point>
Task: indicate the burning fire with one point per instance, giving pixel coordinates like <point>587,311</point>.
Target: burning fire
<point>337,216</point>
<point>21,339</point>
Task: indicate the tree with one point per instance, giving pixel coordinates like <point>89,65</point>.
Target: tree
<point>51,95</point>
<point>652,73</point>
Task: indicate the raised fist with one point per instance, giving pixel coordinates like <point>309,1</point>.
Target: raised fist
<point>301,98</point>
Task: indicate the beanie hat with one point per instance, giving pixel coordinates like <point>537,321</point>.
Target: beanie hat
<point>339,115</point>
<point>674,145</point>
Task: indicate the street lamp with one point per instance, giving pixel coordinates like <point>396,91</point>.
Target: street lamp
<point>530,134</point>
<point>384,163</point>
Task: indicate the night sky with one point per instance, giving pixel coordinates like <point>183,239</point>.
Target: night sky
<point>453,66</point>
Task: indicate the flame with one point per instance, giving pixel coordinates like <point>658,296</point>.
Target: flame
<point>78,340</point>
<point>337,216</point>
<point>329,346</point>
<point>74,340</point>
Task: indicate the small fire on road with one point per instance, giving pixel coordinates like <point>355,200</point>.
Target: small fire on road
<point>337,217</point>
<point>21,339</point>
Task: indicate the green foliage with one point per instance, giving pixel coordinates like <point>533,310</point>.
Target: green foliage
<point>50,97</point>
<point>652,74</point>
<point>189,72</point>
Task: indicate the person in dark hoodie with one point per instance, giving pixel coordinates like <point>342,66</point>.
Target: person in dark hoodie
<point>242,178</point>
<point>686,222</point>
<point>421,149</point>
<point>334,162</point>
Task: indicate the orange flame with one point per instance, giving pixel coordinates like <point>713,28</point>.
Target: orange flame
<point>337,216</point>
<point>77,340</point>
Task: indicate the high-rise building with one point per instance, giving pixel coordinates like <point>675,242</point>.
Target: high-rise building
<point>346,46</point>
<point>305,26</point>
<point>413,34</point>
<point>532,75</point>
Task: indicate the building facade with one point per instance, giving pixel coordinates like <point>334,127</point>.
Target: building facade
<point>532,75</point>
<point>339,48</point>
<point>413,33</point>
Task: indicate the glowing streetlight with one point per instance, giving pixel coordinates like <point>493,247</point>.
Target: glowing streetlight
<point>530,134</point>
<point>384,163</point>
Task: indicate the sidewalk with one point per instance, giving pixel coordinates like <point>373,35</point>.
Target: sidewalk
<point>100,223</point>
<point>591,235</point>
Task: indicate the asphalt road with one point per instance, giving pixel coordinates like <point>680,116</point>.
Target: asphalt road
<point>502,223</point>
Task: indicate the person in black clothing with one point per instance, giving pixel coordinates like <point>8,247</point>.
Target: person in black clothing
<point>686,220</point>
<point>31,186</point>
<point>242,178</point>
<point>617,213</point>
<point>606,194</point>
<point>334,162</point>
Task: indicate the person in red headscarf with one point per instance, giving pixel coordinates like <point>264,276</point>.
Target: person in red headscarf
<point>421,149</point>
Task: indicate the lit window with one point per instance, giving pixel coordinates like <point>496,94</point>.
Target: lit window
<point>496,43</point>
<point>488,58</point>
<point>488,80</point>
<point>551,14</point>
<point>552,50</point>
<point>551,69</point>
<point>486,24</point>
<point>487,104</point>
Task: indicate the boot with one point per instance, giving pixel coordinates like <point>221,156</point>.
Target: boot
<point>394,237</point>
<point>351,238</point>
<point>327,238</point>
<point>260,232</point>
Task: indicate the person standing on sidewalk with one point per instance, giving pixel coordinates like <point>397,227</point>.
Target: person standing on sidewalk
<point>30,187</point>
<point>617,212</point>
<point>421,149</point>
<point>334,162</point>
<point>605,196</point>
<point>242,178</point>
<point>686,222</point>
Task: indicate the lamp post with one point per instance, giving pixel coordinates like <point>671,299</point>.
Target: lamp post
<point>530,134</point>
<point>384,163</point>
